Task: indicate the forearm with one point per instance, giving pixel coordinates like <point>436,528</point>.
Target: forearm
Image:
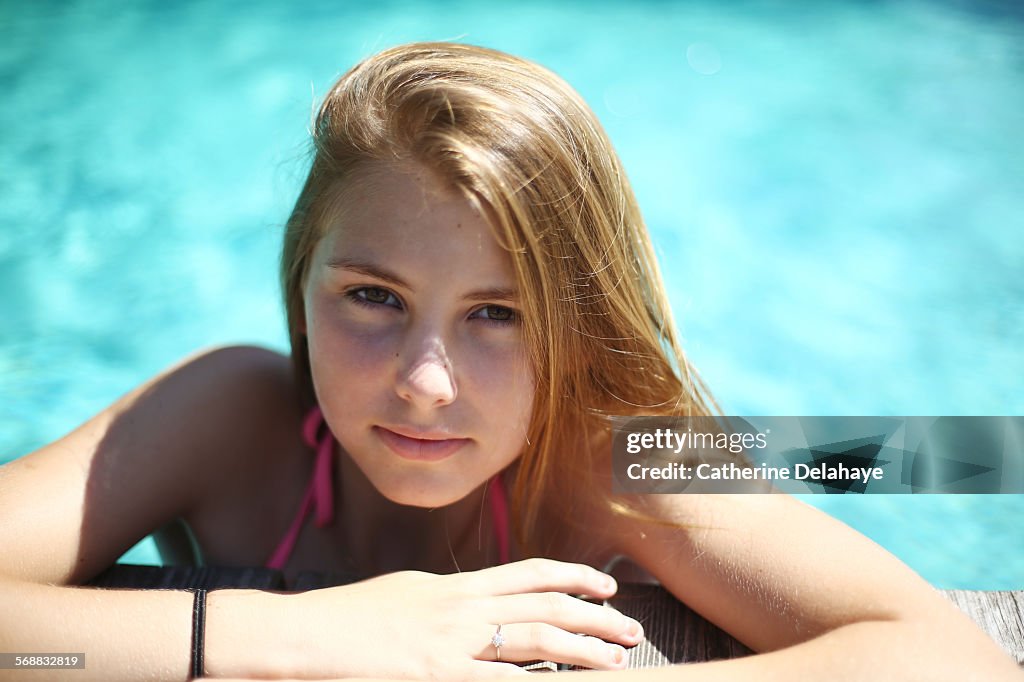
<point>254,634</point>
<point>124,635</point>
<point>866,651</point>
<point>140,634</point>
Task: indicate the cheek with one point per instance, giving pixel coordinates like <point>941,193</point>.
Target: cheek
<point>342,350</point>
<point>504,383</point>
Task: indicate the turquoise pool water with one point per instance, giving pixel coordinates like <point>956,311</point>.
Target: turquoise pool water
<point>835,192</point>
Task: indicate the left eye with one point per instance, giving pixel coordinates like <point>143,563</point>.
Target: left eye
<point>496,313</point>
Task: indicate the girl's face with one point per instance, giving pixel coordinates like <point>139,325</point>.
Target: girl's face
<point>415,341</point>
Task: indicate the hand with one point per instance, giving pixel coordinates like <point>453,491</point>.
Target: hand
<point>414,625</point>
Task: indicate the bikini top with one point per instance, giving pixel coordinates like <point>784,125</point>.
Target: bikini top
<point>320,494</point>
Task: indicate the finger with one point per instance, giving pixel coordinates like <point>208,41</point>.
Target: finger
<point>540,641</point>
<point>565,612</point>
<point>543,575</point>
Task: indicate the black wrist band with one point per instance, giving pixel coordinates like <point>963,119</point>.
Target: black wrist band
<point>198,633</point>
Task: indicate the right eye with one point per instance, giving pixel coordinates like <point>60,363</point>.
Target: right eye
<point>373,296</point>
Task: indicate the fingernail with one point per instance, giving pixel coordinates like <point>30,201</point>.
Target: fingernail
<point>609,582</point>
<point>618,654</point>
<point>635,630</point>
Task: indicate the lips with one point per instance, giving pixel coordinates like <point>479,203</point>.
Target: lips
<point>420,446</point>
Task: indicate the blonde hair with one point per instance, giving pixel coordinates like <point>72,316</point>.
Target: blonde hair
<point>523,146</point>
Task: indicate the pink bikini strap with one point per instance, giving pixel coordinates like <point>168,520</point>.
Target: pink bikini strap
<point>499,510</point>
<point>319,493</point>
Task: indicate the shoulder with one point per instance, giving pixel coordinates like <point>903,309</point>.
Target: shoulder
<point>236,404</point>
<point>222,390</point>
<point>217,400</point>
<point>232,368</point>
<point>158,453</point>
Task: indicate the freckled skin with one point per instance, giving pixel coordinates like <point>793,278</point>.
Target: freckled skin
<point>420,354</point>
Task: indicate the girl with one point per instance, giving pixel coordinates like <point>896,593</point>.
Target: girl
<point>470,294</point>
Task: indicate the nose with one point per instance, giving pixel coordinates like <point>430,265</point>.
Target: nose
<point>427,379</point>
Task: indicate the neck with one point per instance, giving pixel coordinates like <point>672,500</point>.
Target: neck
<point>380,536</point>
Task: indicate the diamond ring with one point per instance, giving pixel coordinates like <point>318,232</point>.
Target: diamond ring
<point>496,641</point>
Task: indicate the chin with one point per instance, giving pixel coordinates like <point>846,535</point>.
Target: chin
<point>424,489</point>
<point>426,499</point>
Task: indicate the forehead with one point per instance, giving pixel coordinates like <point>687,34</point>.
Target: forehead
<point>403,214</point>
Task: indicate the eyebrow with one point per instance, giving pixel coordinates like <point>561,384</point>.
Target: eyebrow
<point>378,272</point>
<point>368,269</point>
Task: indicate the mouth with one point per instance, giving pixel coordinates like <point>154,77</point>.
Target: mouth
<point>420,446</point>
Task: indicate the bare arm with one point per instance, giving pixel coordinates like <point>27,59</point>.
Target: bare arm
<point>819,600</point>
<point>408,625</point>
